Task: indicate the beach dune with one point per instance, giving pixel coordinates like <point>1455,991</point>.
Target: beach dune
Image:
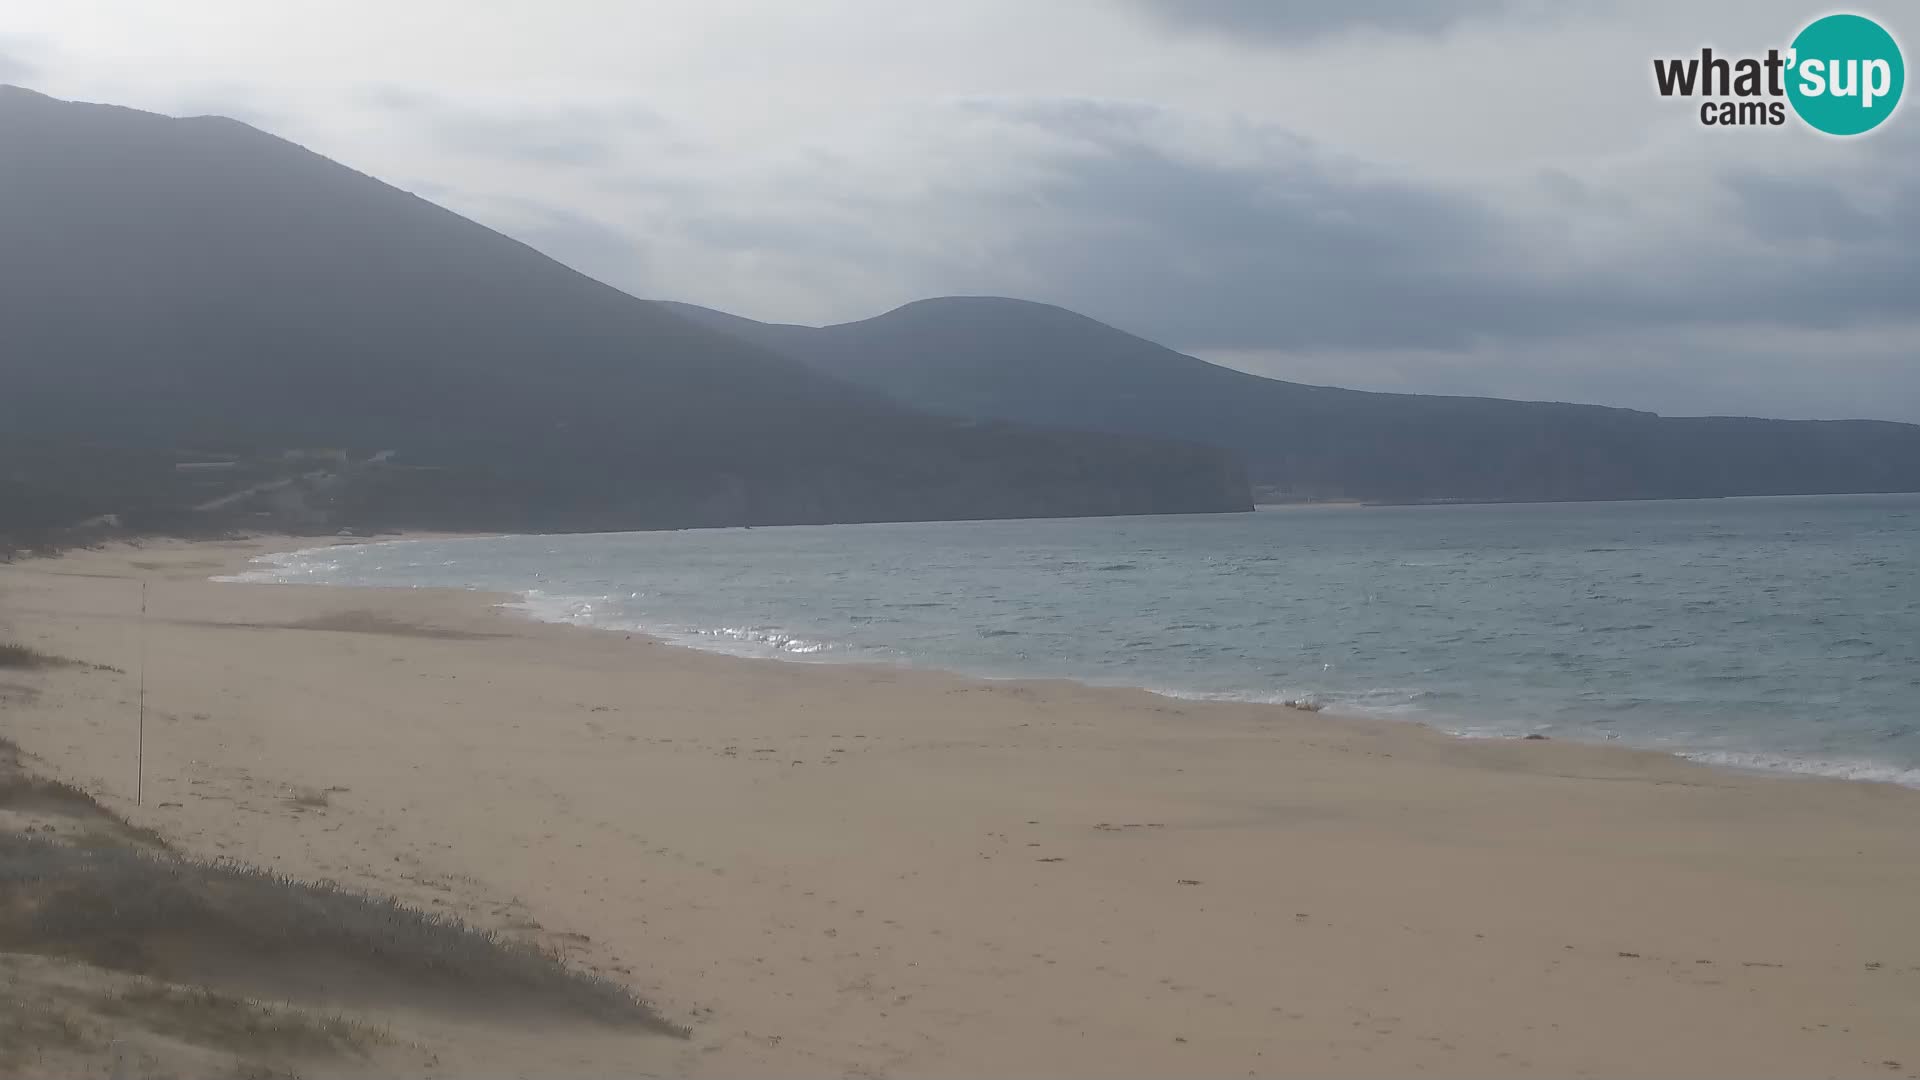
<point>853,870</point>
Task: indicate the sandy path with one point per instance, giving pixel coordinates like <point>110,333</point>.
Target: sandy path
<point>858,871</point>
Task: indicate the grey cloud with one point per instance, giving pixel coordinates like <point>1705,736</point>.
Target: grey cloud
<point>590,246</point>
<point>1296,250</point>
<point>1838,249</point>
<point>730,231</point>
<point>16,70</point>
<point>580,136</point>
<point>1290,249</point>
<point>530,144</point>
<point>1255,239</point>
<point>1111,210</point>
<point>874,186</point>
<point>1798,210</point>
<point>1296,21</point>
<point>1073,118</point>
<point>1252,255</point>
<point>1862,217</point>
<point>397,99</point>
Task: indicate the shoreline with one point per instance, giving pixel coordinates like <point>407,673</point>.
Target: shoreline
<point>1757,763</point>
<point>830,869</point>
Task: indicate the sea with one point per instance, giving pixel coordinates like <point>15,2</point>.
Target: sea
<point>1778,634</point>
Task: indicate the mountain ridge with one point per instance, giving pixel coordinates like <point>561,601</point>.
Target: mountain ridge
<point>197,282</point>
<point>1030,362</point>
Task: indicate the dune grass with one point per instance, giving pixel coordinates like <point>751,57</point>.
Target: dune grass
<point>205,1018</point>
<point>129,910</point>
<point>32,1025</point>
<point>26,658</point>
<point>14,655</point>
<point>84,885</point>
<point>23,790</point>
<point>58,1018</point>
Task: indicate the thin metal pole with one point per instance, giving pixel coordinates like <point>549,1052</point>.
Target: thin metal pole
<point>140,757</point>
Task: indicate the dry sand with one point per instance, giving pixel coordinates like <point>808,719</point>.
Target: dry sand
<point>861,871</point>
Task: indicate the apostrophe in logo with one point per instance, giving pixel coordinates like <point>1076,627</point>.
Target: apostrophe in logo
<point>1843,75</point>
<point>1847,74</point>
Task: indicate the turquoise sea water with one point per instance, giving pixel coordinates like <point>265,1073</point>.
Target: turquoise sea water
<point>1763,633</point>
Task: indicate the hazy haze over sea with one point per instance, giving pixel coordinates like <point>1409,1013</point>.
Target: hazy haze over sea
<point>1772,633</point>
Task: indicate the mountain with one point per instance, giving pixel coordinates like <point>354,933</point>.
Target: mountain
<point>1011,360</point>
<point>195,288</point>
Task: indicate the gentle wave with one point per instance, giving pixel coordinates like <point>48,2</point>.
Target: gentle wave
<point>1689,629</point>
<point>285,568</point>
<point>593,612</point>
<point>1401,704</point>
<point>311,566</point>
<point>1832,768</point>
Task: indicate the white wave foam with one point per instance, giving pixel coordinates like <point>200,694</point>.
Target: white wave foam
<point>601,613</point>
<point>305,566</point>
<point>1183,694</point>
<point>1835,768</point>
<point>757,638</point>
<point>573,610</point>
<point>310,566</point>
<point>1381,704</point>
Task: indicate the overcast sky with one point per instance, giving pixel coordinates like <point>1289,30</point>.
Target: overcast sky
<point>1485,197</point>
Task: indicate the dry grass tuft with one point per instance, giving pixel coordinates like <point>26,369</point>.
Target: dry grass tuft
<point>60,1018</point>
<point>22,790</point>
<point>26,658</point>
<point>205,1018</point>
<point>14,655</point>
<point>30,1025</point>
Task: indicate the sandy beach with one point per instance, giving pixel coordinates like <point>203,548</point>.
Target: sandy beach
<point>860,871</point>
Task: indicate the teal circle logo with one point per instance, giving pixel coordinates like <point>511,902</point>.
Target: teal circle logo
<point>1845,74</point>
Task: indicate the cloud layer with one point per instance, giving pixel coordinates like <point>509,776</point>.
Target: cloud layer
<point>1298,23</point>
<point>1475,198</point>
<point>14,68</point>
